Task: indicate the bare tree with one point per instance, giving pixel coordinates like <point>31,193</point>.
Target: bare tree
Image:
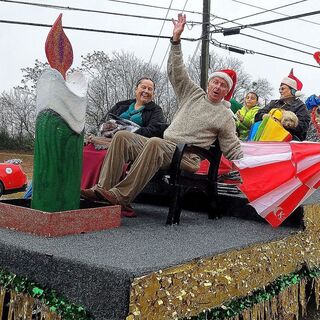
<point>18,115</point>
<point>263,88</point>
<point>31,75</point>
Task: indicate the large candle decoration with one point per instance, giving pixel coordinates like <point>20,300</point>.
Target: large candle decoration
<point>60,120</point>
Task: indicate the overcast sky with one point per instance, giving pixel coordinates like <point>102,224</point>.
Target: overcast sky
<point>21,45</point>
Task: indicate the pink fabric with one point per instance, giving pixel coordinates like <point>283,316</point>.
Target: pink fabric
<point>91,165</point>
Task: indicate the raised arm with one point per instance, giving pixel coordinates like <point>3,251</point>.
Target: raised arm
<point>177,72</point>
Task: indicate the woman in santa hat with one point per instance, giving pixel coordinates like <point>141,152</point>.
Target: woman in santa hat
<point>289,92</point>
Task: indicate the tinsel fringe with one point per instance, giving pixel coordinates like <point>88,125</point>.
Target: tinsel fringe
<point>22,306</point>
<point>316,288</point>
<point>288,305</point>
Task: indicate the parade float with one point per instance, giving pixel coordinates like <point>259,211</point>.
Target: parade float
<point>62,259</point>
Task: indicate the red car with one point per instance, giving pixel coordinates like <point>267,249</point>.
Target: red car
<point>12,177</point>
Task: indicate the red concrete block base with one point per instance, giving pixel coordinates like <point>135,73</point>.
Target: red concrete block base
<point>15,214</point>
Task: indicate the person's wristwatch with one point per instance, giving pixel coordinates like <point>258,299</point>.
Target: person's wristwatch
<point>174,42</point>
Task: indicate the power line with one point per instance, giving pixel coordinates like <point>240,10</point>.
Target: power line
<point>272,34</point>
<point>275,43</point>
<point>262,23</point>
<point>153,6</point>
<point>56,7</point>
<point>226,46</point>
<point>93,30</point>
<point>284,38</point>
<point>285,59</point>
<point>273,10</point>
<point>136,16</point>
<point>262,12</point>
<point>306,14</point>
<point>155,46</point>
<point>165,55</point>
<point>136,34</point>
<point>196,49</point>
<point>243,51</point>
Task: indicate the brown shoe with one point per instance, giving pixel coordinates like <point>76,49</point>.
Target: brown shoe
<point>105,195</point>
<point>126,210</point>
<point>88,194</point>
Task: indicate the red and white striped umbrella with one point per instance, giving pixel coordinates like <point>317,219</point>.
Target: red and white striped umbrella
<point>278,176</point>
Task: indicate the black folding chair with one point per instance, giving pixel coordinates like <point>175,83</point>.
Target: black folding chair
<point>181,180</point>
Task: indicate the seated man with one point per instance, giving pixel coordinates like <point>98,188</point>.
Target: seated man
<point>200,120</point>
<point>289,91</point>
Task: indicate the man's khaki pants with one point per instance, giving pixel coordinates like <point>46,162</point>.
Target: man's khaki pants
<point>147,155</point>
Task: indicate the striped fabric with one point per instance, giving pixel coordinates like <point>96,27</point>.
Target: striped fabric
<point>278,176</point>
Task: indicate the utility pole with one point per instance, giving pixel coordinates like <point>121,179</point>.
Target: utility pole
<point>204,59</point>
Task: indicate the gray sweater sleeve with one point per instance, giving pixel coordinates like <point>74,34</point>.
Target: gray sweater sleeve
<point>229,143</point>
<point>181,82</point>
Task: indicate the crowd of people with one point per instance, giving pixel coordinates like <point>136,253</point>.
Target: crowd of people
<point>202,117</point>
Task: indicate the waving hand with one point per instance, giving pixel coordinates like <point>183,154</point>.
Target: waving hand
<point>178,26</point>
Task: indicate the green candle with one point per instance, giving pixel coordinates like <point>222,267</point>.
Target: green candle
<point>61,107</point>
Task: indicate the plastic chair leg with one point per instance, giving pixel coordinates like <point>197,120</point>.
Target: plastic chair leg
<point>214,211</point>
<point>175,207</point>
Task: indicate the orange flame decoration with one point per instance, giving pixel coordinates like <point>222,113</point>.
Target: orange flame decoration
<point>58,48</point>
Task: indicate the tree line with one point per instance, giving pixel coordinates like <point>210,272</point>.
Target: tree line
<point>112,78</point>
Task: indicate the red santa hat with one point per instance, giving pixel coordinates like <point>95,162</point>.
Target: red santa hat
<point>293,82</point>
<point>230,76</point>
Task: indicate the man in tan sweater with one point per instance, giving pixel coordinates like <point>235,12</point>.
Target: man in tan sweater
<point>200,120</point>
